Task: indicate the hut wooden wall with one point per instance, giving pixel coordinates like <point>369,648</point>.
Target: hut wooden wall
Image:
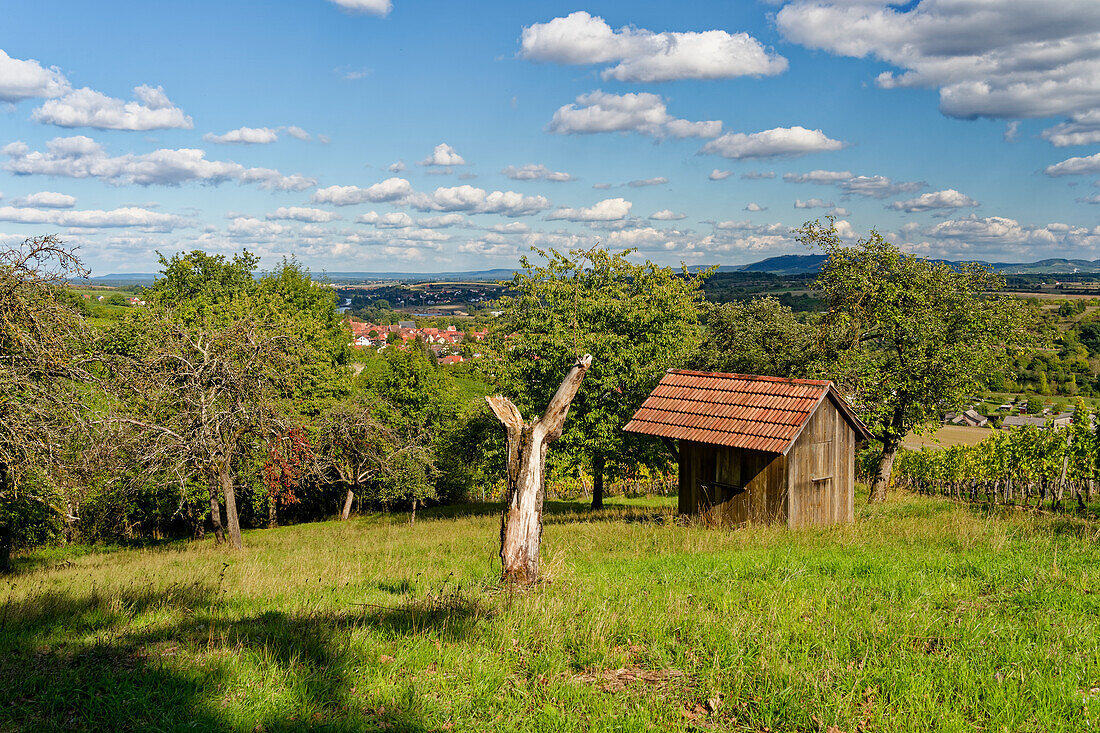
<point>710,473</point>
<point>821,473</point>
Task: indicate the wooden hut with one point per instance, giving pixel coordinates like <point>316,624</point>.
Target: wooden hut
<point>759,449</point>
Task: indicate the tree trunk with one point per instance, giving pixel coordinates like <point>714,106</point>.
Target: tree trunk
<point>412,519</point>
<point>233,523</point>
<point>521,520</point>
<point>597,480</point>
<point>216,514</point>
<point>882,474</point>
<point>272,513</point>
<point>347,506</point>
<point>5,548</point>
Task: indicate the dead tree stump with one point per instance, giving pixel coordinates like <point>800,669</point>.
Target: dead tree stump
<point>521,520</point>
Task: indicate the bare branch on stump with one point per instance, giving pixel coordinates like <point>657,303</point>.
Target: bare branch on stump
<point>521,520</point>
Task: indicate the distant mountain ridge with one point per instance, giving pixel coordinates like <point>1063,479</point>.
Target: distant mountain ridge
<point>779,265</point>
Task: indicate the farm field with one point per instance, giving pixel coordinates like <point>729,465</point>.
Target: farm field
<point>923,615</point>
<point>947,436</point>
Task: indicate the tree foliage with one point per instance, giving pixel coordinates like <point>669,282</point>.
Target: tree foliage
<point>912,337</point>
<point>636,320</point>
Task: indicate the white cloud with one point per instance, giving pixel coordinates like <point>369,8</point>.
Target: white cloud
<point>86,107</point>
<point>754,207</point>
<point>46,200</point>
<point>302,213</point>
<point>643,113</point>
<point>871,186</point>
<point>606,210</point>
<point>374,7</point>
<point>128,216</point>
<point>81,157</point>
<point>778,142</point>
<point>641,55</point>
<point>719,175</point>
<point>297,132</point>
<point>601,186</point>
<point>532,172</point>
<point>947,199</point>
<point>879,187</point>
<point>1074,167</point>
<point>443,221</point>
<point>813,204</point>
<point>1007,59</point>
<point>818,176</point>
<point>758,175</point>
<point>391,220</point>
<point>396,167</point>
<point>254,230</point>
<point>478,201</point>
<point>642,182</point>
<point>244,135</point>
<point>26,79</point>
<point>667,215</point>
<point>443,154</point>
<point>391,189</point>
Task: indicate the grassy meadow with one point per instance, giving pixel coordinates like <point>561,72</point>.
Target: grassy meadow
<point>923,615</point>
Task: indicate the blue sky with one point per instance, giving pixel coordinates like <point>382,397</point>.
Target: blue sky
<point>423,136</point>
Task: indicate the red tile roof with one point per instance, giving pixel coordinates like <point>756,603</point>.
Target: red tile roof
<point>738,410</point>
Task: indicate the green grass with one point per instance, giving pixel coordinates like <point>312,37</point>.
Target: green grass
<point>923,615</point>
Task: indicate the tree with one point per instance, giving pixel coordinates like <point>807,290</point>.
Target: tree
<point>353,448</point>
<point>43,364</point>
<point>912,337</point>
<point>760,336</point>
<point>521,520</point>
<point>224,364</point>
<point>636,321</point>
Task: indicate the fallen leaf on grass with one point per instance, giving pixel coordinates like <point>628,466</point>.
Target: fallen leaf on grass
<point>385,659</point>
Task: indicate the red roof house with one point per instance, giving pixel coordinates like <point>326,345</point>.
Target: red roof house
<point>754,448</point>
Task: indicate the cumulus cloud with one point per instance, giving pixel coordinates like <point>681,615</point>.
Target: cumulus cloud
<point>478,201</point>
<point>392,220</point>
<point>150,110</point>
<point>813,204</point>
<point>642,182</point>
<point>127,216</point>
<point>667,215</point>
<point>642,112</point>
<point>878,187</point>
<point>396,167</point>
<point>606,210</point>
<point>46,200</point>
<point>818,176</point>
<point>297,132</point>
<point>302,213</point>
<point>533,172</point>
<point>1011,59</point>
<point>946,199</point>
<point>779,142</point>
<point>719,175</point>
<point>374,7</point>
<point>27,79</point>
<point>1074,167</point>
<point>443,221</point>
<point>245,136</point>
<point>391,189</point>
<point>641,55</point>
<point>81,157</point>
<point>754,207</point>
<point>444,155</point>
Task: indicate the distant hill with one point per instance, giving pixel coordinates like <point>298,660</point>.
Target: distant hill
<point>787,265</point>
<point>780,265</point>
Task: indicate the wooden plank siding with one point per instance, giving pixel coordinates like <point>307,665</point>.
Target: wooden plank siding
<point>821,487</point>
<point>712,478</point>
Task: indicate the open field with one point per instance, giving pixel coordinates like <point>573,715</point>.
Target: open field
<point>946,436</point>
<point>924,615</point>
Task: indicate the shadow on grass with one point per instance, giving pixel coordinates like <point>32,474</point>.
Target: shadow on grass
<point>553,512</point>
<point>179,659</point>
